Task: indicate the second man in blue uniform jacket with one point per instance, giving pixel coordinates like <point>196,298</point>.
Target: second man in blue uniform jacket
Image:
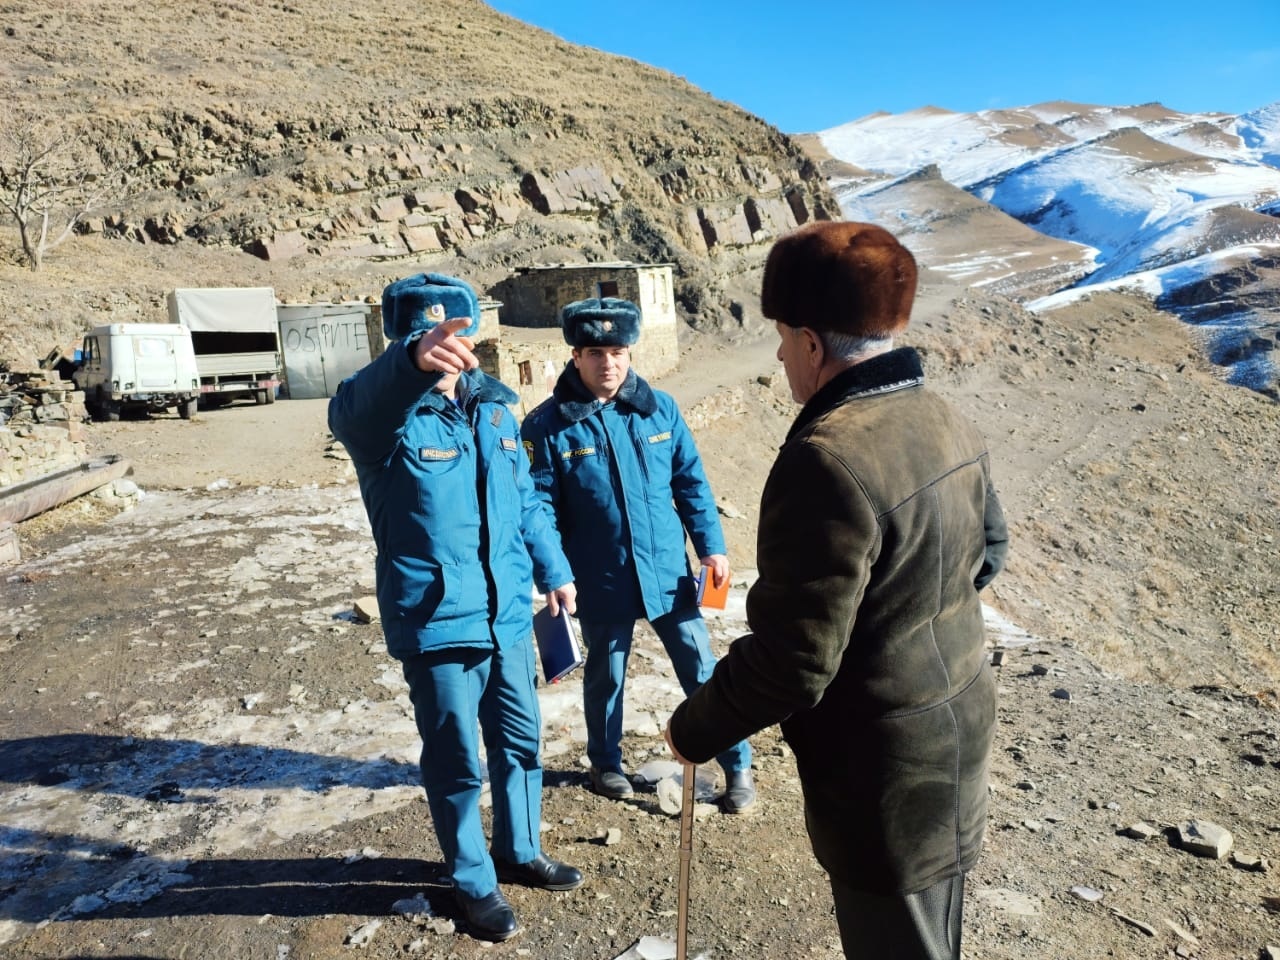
<point>616,463</point>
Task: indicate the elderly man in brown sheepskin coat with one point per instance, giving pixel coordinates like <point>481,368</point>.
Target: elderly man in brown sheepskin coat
<point>879,525</point>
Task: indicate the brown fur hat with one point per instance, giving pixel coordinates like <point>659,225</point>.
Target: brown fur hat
<point>840,277</point>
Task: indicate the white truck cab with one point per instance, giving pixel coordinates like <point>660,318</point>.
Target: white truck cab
<point>136,367</point>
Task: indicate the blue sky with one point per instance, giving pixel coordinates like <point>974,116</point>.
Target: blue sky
<point>806,65</point>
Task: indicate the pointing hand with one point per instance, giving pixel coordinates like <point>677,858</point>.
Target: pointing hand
<point>440,350</point>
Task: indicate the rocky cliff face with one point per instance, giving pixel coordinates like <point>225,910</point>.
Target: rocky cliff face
<point>325,150</point>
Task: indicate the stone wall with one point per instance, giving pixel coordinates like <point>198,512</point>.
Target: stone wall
<point>527,361</point>
<point>658,350</point>
<point>43,425</point>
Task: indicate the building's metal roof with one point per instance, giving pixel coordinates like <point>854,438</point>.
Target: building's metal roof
<point>610,265</point>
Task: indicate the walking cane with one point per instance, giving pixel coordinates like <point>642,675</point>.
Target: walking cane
<point>686,860</point>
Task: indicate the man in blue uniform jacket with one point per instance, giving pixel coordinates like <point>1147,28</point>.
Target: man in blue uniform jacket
<point>617,464</point>
<point>462,537</point>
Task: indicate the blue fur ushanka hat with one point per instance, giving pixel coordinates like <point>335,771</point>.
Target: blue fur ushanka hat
<point>602,322</point>
<point>425,299</point>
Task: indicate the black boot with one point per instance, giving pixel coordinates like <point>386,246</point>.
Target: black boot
<point>611,783</point>
<point>488,918</point>
<point>739,792</point>
<point>541,872</point>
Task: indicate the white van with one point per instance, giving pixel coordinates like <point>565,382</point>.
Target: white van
<point>134,367</point>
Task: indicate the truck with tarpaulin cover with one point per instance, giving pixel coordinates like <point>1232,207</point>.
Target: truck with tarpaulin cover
<point>236,337</point>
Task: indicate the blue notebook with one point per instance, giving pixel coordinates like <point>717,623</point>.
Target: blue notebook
<point>557,644</point>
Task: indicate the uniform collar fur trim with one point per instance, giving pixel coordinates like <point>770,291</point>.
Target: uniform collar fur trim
<point>576,402</point>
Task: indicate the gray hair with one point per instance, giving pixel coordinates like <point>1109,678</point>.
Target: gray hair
<point>850,348</point>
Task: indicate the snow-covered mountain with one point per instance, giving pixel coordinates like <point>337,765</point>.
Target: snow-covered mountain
<point>1185,206</point>
<point>1259,131</point>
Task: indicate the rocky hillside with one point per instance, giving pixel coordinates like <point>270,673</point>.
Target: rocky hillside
<point>325,148</point>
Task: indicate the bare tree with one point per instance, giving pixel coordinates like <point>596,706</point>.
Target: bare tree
<point>52,176</point>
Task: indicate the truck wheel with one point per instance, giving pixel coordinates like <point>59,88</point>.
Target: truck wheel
<point>271,395</point>
<point>264,396</point>
<point>187,408</point>
<point>104,408</point>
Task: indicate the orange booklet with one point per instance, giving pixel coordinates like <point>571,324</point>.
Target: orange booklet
<point>709,595</point>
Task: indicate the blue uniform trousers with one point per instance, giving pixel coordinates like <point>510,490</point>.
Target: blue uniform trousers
<point>451,689</point>
<point>684,635</point>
